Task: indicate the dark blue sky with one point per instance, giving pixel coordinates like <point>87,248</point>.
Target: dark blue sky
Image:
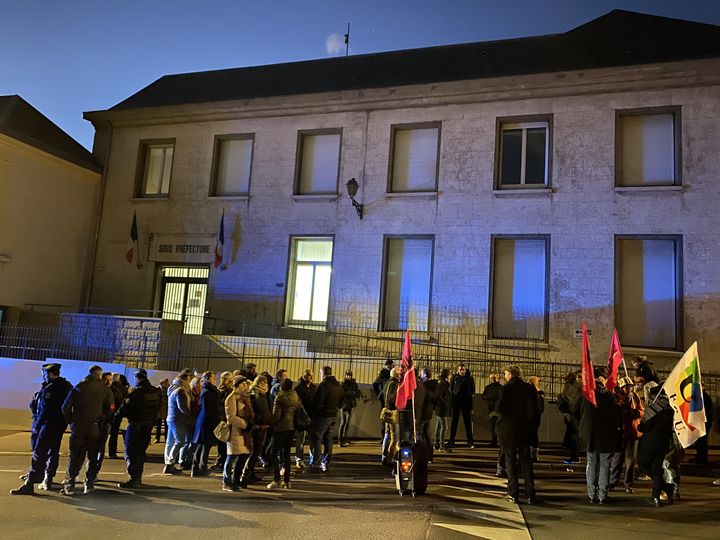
<point>66,57</point>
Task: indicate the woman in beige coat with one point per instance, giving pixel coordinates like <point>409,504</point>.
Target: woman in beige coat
<point>239,415</point>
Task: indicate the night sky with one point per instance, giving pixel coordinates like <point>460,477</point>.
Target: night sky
<point>80,55</point>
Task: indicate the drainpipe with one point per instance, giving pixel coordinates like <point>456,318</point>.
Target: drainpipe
<point>101,197</point>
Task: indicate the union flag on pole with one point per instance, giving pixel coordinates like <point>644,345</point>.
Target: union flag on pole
<point>588,374</point>
<point>614,360</point>
<point>406,390</point>
<point>684,390</point>
<point>132,248</point>
<point>220,244</point>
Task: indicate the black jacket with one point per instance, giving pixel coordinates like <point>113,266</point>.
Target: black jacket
<point>657,435</point>
<point>491,395</point>
<point>142,404</point>
<point>328,398</point>
<point>306,393</point>
<point>462,389</point>
<point>517,410</point>
<point>49,404</point>
<point>261,408</point>
<point>351,393</point>
<point>646,371</point>
<point>379,386</point>
<point>601,427</point>
<point>118,394</point>
<point>442,399</point>
<point>429,400</point>
<point>89,402</point>
<point>209,414</point>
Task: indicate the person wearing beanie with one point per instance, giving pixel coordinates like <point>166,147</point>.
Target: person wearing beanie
<point>239,414</point>
<point>263,420</point>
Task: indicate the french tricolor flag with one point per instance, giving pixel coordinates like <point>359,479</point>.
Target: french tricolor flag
<point>220,245</point>
<point>132,249</point>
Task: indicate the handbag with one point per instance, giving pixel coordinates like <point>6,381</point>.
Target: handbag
<point>222,431</point>
<point>301,419</point>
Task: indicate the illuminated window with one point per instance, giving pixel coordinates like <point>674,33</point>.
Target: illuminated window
<point>155,168</point>
<point>647,148</point>
<point>414,161</point>
<point>407,282</point>
<point>648,278</point>
<point>318,166</point>
<point>308,295</point>
<point>519,287</point>
<point>232,163</point>
<point>523,155</point>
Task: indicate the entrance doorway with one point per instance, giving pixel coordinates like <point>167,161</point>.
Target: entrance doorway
<point>183,291</point>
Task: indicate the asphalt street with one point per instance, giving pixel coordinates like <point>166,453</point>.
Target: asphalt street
<point>355,499</point>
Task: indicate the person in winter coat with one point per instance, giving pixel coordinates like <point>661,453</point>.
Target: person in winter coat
<point>390,446</point>
<point>188,451</point>
<point>225,388</point>
<point>179,420</point>
<point>305,389</point>
<point>120,391</point>
<point>351,393</point>
<point>442,410</point>
<point>535,381</point>
<point>491,395</point>
<point>263,421</point>
<point>381,380</point>
<point>328,400</point>
<point>623,463</point>
<point>643,368</point>
<point>462,390</point>
<point>209,416</point>
<point>426,409</point>
<point>517,409</point>
<point>161,422</point>
<point>284,407</point>
<point>600,432</point>
<point>239,414</point>
<point>657,435</point>
<point>568,404</point>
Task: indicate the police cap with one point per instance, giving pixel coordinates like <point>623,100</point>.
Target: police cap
<point>52,368</point>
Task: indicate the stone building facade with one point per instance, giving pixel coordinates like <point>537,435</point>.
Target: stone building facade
<point>584,190</point>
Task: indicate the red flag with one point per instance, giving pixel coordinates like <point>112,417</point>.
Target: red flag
<point>132,249</point>
<point>406,390</point>
<point>588,374</point>
<point>614,360</point>
<point>220,244</point>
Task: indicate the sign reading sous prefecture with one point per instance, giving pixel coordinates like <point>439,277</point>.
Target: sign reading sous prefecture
<point>193,248</point>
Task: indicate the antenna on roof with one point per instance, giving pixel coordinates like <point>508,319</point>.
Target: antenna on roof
<point>347,41</point>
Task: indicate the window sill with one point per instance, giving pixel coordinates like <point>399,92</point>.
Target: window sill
<point>411,194</point>
<point>523,192</point>
<point>316,197</point>
<point>229,197</point>
<point>511,343</point>
<point>646,189</point>
<point>149,199</point>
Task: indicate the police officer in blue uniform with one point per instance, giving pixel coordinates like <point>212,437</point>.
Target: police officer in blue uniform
<point>48,428</point>
<point>140,408</point>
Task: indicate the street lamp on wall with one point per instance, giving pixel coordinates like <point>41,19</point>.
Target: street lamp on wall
<point>352,189</point>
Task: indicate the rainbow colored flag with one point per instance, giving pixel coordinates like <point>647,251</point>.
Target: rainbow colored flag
<point>684,389</point>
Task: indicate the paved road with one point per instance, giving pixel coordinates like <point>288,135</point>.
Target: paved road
<point>356,499</point>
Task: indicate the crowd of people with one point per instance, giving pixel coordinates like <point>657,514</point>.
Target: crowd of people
<point>258,421</point>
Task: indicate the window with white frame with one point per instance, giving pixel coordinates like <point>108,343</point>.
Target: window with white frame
<point>308,293</point>
<point>318,162</point>
<point>523,154</point>
<point>648,291</point>
<point>415,158</point>
<point>232,164</point>
<point>407,282</point>
<point>519,287</point>
<point>156,160</point>
<point>647,148</point>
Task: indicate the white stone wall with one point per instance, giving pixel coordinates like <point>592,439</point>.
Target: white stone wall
<point>582,214</point>
<point>47,223</point>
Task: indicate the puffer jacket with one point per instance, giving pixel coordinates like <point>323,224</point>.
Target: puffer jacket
<point>179,405</point>
<point>239,414</point>
<point>284,407</point>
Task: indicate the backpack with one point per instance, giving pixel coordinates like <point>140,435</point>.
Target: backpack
<point>301,419</point>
